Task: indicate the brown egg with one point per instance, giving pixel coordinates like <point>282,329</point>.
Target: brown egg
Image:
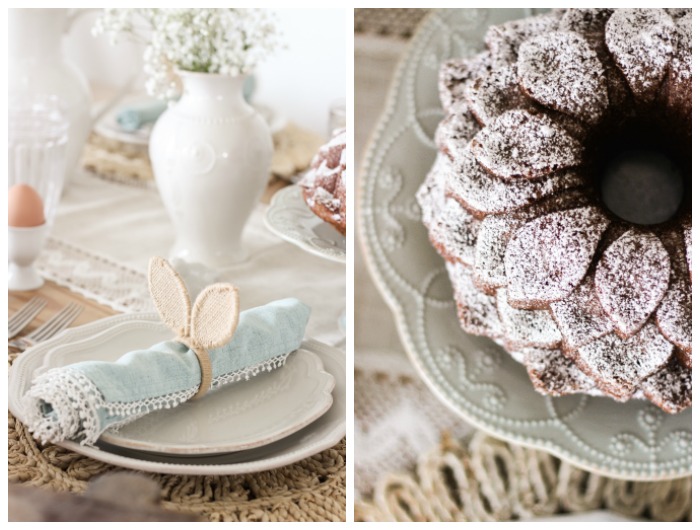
<point>25,208</point>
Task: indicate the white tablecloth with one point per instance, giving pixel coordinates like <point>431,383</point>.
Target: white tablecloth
<point>105,233</point>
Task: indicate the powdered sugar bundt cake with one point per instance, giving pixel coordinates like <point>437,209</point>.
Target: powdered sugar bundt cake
<point>589,298</point>
<point>323,186</point>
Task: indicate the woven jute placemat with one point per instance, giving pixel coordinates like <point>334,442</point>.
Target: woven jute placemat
<point>310,490</point>
<point>130,164</point>
<point>492,480</point>
<point>397,23</point>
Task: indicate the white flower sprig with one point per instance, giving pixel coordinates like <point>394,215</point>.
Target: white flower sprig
<point>222,41</point>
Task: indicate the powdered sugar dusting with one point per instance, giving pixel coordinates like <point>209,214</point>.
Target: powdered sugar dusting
<point>642,43</point>
<point>476,311</point>
<point>680,76</point>
<point>590,21</point>
<point>560,71</point>
<point>482,194</point>
<point>538,91</point>
<point>671,388</point>
<point>518,144</point>
<point>324,186</point>
<point>431,194</point>
<point>453,233</point>
<point>454,133</point>
<point>505,40</point>
<point>678,12</point>
<point>619,365</point>
<point>455,73</point>
<point>675,314</point>
<point>580,317</point>
<point>547,258</point>
<point>681,63</point>
<point>553,374</point>
<point>526,328</point>
<point>688,239</point>
<point>490,250</point>
<point>494,93</point>
<point>632,278</point>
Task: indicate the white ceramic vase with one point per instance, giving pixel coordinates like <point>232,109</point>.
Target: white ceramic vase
<point>211,155</point>
<point>37,69</point>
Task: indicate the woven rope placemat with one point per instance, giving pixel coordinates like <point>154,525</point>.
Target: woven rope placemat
<point>129,163</point>
<point>397,23</point>
<point>310,490</point>
<point>491,480</point>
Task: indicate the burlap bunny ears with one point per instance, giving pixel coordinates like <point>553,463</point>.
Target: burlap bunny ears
<point>209,324</point>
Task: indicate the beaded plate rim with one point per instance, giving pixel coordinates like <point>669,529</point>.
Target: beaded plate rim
<point>290,218</point>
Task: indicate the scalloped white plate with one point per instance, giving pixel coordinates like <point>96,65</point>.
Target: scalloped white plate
<point>290,218</point>
<point>78,344</point>
<point>473,375</point>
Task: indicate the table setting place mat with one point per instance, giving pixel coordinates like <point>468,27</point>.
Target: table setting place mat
<point>129,163</point>
<point>212,347</point>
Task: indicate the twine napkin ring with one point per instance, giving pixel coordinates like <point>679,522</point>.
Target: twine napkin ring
<point>207,325</point>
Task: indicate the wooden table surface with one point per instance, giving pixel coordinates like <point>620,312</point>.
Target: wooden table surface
<point>57,297</point>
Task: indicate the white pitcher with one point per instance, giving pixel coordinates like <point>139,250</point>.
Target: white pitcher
<point>37,68</point>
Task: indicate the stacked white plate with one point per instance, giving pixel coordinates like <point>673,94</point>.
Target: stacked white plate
<point>272,420</point>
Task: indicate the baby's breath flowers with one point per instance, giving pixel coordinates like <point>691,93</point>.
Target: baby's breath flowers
<point>218,41</point>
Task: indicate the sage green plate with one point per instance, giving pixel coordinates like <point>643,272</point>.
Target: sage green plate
<point>473,375</point>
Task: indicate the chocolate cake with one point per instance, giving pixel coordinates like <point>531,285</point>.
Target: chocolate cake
<point>589,301</point>
<point>323,187</point>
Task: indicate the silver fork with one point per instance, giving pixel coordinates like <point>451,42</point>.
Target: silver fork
<point>24,316</point>
<point>48,329</point>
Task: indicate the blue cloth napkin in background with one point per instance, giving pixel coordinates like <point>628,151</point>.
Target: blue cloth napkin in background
<point>132,117</point>
<point>80,401</point>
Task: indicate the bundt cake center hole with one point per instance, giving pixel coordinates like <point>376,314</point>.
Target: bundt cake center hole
<point>642,186</point>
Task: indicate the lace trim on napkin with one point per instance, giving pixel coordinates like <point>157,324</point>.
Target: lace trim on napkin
<point>63,404</point>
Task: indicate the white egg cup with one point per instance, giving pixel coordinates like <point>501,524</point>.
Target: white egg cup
<point>23,247</point>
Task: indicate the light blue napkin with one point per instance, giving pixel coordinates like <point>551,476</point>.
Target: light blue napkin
<point>132,117</point>
<point>80,401</point>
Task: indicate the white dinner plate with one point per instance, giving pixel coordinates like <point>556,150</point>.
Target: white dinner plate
<point>146,329</point>
<point>290,218</point>
<point>240,416</point>
<point>473,375</point>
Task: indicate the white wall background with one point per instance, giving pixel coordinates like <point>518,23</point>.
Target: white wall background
<point>300,82</point>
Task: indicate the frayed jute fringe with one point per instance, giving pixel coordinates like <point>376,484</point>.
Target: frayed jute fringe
<point>491,480</point>
<point>310,490</point>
